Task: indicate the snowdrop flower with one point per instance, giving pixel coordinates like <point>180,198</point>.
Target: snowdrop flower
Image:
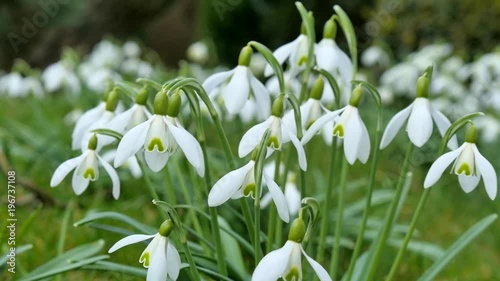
<point>469,165</point>
<point>132,164</point>
<point>132,117</point>
<point>59,76</point>
<point>295,52</point>
<point>420,115</point>
<point>400,78</point>
<point>160,257</point>
<point>85,121</point>
<point>375,55</point>
<point>34,86</point>
<point>86,170</point>
<point>241,182</point>
<point>490,128</point>
<point>160,136</point>
<point>332,59</point>
<point>240,85</point>
<point>286,262</point>
<point>131,49</point>
<point>12,85</point>
<point>349,126</point>
<point>97,79</point>
<point>281,132</point>
<point>198,52</point>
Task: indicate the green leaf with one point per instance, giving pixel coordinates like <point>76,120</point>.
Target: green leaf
<point>116,267</point>
<point>153,84</point>
<point>19,250</point>
<point>350,35</point>
<point>458,246</point>
<point>268,55</point>
<point>232,250</point>
<point>69,260</point>
<point>93,216</point>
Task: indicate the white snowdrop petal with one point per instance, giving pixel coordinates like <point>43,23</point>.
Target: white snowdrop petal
<point>157,270</point>
<point>301,154</point>
<point>316,126</point>
<point>132,239</point>
<point>262,97</point>
<point>352,136</point>
<point>278,198</point>
<point>227,185</point>
<point>468,183</point>
<point>487,172</point>
<point>215,80</point>
<point>443,124</point>
<point>237,90</point>
<point>252,138</point>
<point>173,261</point>
<point>272,266</point>
<point>438,167</point>
<point>420,122</point>
<point>120,121</point>
<point>113,175</point>
<point>281,54</point>
<point>131,142</point>
<point>190,146</point>
<point>394,125</point>
<point>156,160</point>
<point>320,271</point>
<point>63,170</point>
<point>364,145</point>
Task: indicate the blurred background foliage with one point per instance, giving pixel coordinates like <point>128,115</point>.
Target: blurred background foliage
<point>169,26</point>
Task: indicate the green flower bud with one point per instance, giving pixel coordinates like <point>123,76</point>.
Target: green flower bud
<point>174,105</point>
<point>160,105</point>
<point>278,107</point>
<point>330,29</point>
<point>142,96</point>
<point>297,230</point>
<point>356,95</point>
<point>245,56</point>
<point>471,134</point>
<point>317,89</point>
<point>92,142</point>
<point>303,29</point>
<point>166,228</point>
<point>112,100</point>
<point>423,86</point>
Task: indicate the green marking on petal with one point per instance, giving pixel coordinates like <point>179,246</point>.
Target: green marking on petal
<point>144,259</point>
<point>273,142</point>
<point>293,274</point>
<point>303,60</point>
<point>309,124</point>
<point>464,168</point>
<point>156,142</point>
<point>89,173</point>
<point>338,131</point>
<point>249,190</point>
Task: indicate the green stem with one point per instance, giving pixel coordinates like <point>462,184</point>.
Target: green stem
<point>151,188</point>
<point>326,204</point>
<point>409,234</point>
<point>170,187</point>
<point>391,213</point>
<point>192,264</point>
<point>340,214</point>
<point>371,184</point>
<point>271,226</point>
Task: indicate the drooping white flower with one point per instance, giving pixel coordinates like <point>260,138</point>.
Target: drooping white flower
<point>33,86</point>
<point>349,127</point>
<point>12,85</point>
<point>281,132</point>
<point>135,115</point>
<point>241,182</point>
<point>86,170</point>
<point>375,55</point>
<point>198,52</point>
<point>292,194</point>
<point>59,76</point>
<point>286,262</point>
<point>160,136</point>
<point>242,82</point>
<point>420,115</point>
<point>132,164</point>
<point>84,122</point>
<point>294,52</point>
<point>469,165</point>
<point>160,257</point>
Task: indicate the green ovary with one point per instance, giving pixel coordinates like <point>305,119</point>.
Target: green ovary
<point>338,131</point>
<point>464,168</point>
<point>293,274</point>
<point>89,173</point>
<point>156,142</point>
